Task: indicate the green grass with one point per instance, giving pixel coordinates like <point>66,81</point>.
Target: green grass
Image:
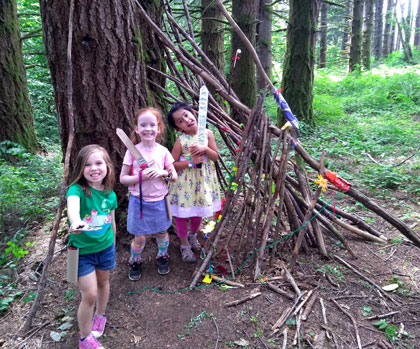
<point>374,113</point>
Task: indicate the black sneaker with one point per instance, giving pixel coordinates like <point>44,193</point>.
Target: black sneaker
<point>134,271</point>
<point>163,265</point>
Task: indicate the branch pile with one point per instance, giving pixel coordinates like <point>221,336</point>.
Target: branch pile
<point>264,203</point>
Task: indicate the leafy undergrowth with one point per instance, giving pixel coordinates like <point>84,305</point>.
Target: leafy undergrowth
<point>28,198</point>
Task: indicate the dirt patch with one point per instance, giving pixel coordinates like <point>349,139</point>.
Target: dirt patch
<point>161,312</point>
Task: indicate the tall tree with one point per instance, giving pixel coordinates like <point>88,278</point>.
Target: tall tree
<point>298,72</point>
<point>404,33</point>
<point>417,27</point>
<point>367,34</point>
<point>356,36</point>
<point>386,49</point>
<point>323,36</point>
<point>212,33</point>
<point>264,40</point>
<point>393,37</point>
<point>15,107</point>
<point>243,79</point>
<point>345,44</point>
<point>377,36</point>
<point>109,74</point>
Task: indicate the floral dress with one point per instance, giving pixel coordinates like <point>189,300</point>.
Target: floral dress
<point>196,193</point>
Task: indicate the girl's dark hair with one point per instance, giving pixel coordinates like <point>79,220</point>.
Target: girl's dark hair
<point>77,174</point>
<point>174,108</point>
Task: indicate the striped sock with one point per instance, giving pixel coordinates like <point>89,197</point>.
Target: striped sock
<point>163,244</point>
<point>136,250</point>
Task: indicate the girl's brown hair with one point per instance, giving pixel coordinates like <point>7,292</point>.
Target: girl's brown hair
<point>135,138</point>
<point>77,174</point>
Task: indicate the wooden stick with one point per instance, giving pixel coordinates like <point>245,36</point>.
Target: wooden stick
<point>279,323</point>
<point>382,315</point>
<point>228,282</point>
<point>309,306</point>
<point>280,320</point>
<point>292,281</point>
<point>53,237</point>
<point>366,278</point>
<point>243,300</point>
<point>356,329</point>
<point>280,291</point>
<point>284,346</point>
<point>303,302</point>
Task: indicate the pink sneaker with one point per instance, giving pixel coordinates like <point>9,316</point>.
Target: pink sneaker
<point>98,325</point>
<point>90,342</point>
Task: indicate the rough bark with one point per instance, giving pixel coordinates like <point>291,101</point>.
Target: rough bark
<point>15,107</point>
<point>323,37</point>
<point>264,43</point>
<point>345,44</point>
<point>298,73</point>
<point>356,36</point>
<point>243,79</point>
<point>212,38</point>
<point>404,32</point>
<point>367,34</point>
<point>109,74</point>
<point>417,27</point>
<point>393,38</point>
<point>386,49</point>
<point>377,37</point>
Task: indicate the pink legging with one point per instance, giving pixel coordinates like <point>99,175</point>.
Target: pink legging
<point>181,225</point>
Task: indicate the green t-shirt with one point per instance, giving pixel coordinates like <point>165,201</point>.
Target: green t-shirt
<point>96,211</point>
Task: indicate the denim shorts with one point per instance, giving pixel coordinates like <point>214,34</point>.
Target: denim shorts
<point>103,260</point>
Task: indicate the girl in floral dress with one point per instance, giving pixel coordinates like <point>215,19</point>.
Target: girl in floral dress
<point>196,194</point>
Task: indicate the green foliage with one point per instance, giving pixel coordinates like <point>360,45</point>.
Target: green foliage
<point>331,269</point>
<point>194,322</point>
<point>28,193</point>
<point>368,114</point>
<point>37,72</point>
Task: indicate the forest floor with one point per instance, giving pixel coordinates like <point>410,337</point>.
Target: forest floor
<point>161,312</point>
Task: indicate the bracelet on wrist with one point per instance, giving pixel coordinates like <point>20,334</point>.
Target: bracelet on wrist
<point>168,177</point>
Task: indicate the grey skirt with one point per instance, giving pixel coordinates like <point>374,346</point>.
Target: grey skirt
<point>154,220</point>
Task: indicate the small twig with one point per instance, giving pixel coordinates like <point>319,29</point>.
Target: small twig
<point>34,331</point>
<point>303,302</point>
<point>309,306</point>
<point>217,331</point>
<point>324,317</point>
<point>228,282</point>
<point>284,346</point>
<point>383,315</point>
<point>279,291</point>
<point>392,253</point>
<point>356,329</point>
<point>292,281</point>
<point>230,263</point>
<point>366,278</point>
<point>242,300</point>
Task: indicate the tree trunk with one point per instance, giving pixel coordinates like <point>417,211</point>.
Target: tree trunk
<point>377,37</point>
<point>345,44</point>
<point>15,107</point>
<point>367,34</point>
<point>298,73</point>
<point>393,38</point>
<point>386,49</point>
<point>404,32</point>
<point>264,41</point>
<point>417,28</point>
<point>323,37</point>
<point>356,36</point>
<point>109,74</point>
<point>243,79</point>
<point>212,37</point>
